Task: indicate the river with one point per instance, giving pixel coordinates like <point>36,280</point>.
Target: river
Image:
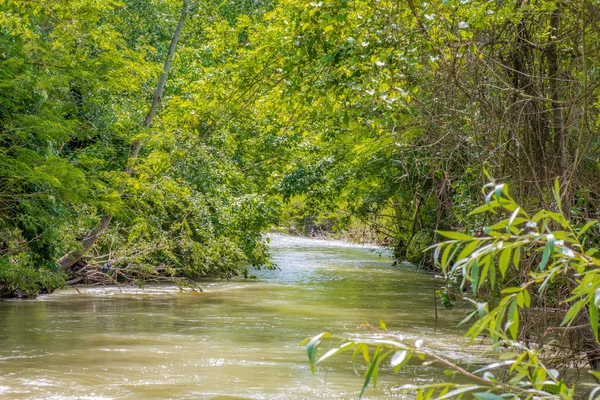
<point>236,340</point>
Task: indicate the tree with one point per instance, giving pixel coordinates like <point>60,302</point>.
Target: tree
<point>69,259</point>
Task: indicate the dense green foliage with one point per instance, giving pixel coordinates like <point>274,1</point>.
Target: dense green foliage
<point>388,112</point>
<point>76,80</point>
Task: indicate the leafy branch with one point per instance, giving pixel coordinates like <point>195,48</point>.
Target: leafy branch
<point>486,261</point>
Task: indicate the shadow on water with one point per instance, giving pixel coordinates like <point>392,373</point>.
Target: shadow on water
<point>236,340</point>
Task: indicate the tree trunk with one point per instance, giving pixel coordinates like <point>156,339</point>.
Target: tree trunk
<point>69,259</point>
<point>557,108</point>
<point>137,145</point>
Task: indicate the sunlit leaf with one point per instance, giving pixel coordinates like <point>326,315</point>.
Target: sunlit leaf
<point>503,261</point>
<point>313,346</point>
<point>337,350</point>
<point>587,227</point>
<point>369,372</point>
<point>398,358</point>
<point>455,235</point>
<point>382,325</point>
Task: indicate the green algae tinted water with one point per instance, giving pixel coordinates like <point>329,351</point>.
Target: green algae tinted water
<point>236,340</point>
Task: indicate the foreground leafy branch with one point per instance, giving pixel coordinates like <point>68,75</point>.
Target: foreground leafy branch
<point>493,261</point>
<point>529,377</point>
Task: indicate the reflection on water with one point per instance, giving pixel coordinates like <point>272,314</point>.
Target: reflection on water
<point>236,340</point>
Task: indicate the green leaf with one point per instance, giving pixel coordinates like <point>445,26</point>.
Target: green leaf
<point>593,310</point>
<point>517,257</point>
<point>520,299</point>
<point>512,219</point>
<point>475,276</point>
<point>506,223</point>
<point>513,318</point>
<point>468,249</point>
<point>526,298</point>
<point>560,218</point>
<point>445,255</point>
<point>509,290</point>
<point>522,374</point>
<point>489,178</point>
<point>492,272</point>
<point>436,255</point>
<point>556,193</point>
<point>495,325</point>
<point>379,360</point>
<point>354,357</point>
<point>467,318</point>
<point>369,372</point>
<point>455,235</point>
<point>548,250</point>
<point>399,359</point>
<point>586,227</point>
<point>486,207</point>
<point>481,309</point>
<point>594,319</point>
<point>365,351</point>
<point>449,372</point>
<point>312,347</point>
<point>549,278</point>
<point>337,350</point>
<point>504,260</point>
<point>499,189</point>
<point>539,216</point>
<point>485,266</point>
<point>508,205</point>
<point>508,356</point>
<point>573,311</point>
<point>495,365</point>
<point>382,325</point>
